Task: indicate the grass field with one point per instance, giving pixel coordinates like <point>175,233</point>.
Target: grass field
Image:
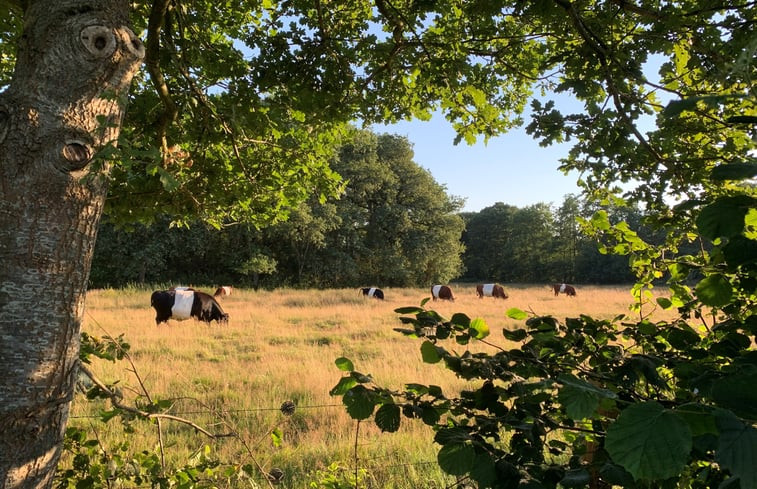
<point>280,346</point>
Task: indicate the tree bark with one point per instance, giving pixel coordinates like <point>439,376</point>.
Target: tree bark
<point>75,62</point>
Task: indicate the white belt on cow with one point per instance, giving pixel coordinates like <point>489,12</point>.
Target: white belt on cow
<point>182,304</point>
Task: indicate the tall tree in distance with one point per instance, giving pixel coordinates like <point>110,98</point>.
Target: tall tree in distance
<point>486,240</point>
<point>568,238</point>
<point>399,226</point>
<point>300,239</point>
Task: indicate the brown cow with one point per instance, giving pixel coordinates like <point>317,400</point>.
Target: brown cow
<point>442,292</point>
<point>565,289</point>
<point>223,291</point>
<point>491,290</point>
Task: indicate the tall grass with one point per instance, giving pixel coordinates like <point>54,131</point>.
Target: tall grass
<point>280,346</point>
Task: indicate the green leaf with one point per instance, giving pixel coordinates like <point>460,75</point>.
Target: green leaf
<point>600,221</point>
<point>276,437</point>
<point>429,353</point>
<point>409,310</point>
<point>479,329</point>
<point>430,415</point>
<point>678,271</point>
<point>739,251</point>
<point>417,389</point>
<point>647,328</point>
<point>167,180</point>
<point>714,290</point>
<point>737,449</point>
<point>699,418</point>
<point>460,319</point>
<point>734,171</point>
<point>725,217</point>
<point>344,364</point>
<point>736,392</point>
<point>616,475</point>
<point>388,418</point>
<point>580,398</point>
<point>517,335</point>
<point>576,478</point>
<point>345,384</point>
<point>484,470</point>
<point>106,416</point>
<point>359,402</point>
<point>650,442</point>
<point>515,313</point>
<point>675,107</point>
<point>457,458</point>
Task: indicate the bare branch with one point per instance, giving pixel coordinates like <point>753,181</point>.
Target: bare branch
<point>117,400</point>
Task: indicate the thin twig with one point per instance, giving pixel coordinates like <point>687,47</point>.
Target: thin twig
<point>115,399</point>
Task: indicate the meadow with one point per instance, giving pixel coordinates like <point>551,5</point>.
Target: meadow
<point>280,346</point>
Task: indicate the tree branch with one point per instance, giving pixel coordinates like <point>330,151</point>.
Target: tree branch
<point>642,12</point>
<point>152,62</point>
<point>116,400</point>
<point>600,48</point>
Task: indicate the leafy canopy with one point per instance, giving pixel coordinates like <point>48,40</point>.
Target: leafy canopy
<point>241,103</point>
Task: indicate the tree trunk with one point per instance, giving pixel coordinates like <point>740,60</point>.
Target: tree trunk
<point>74,65</point>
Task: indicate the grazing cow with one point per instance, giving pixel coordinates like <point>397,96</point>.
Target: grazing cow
<point>491,290</point>
<point>223,291</point>
<point>372,292</point>
<point>182,304</point>
<point>442,292</point>
<point>565,289</point>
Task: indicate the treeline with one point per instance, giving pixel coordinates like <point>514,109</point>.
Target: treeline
<point>394,226</point>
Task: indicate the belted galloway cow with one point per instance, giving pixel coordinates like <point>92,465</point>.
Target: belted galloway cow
<point>374,292</point>
<point>491,290</point>
<point>182,304</point>
<point>565,289</point>
<point>223,291</point>
<point>442,292</point>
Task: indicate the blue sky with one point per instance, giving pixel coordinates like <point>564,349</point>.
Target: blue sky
<point>512,168</point>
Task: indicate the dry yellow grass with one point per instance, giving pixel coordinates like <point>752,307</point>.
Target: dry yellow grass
<point>281,345</point>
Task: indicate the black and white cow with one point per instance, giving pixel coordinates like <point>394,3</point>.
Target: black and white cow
<point>374,292</point>
<point>181,304</point>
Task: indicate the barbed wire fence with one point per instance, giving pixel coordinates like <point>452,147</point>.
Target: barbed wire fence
<point>114,348</point>
<point>287,408</point>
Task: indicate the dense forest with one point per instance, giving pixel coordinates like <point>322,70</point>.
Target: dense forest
<point>393,226</point>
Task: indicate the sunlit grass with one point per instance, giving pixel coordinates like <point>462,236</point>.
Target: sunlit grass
<point>281,345</point>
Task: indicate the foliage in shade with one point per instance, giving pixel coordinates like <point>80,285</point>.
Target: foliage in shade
<point>737,448</point>
<point>595,402</point>
<point>650,442</point>
<point>580,398</point>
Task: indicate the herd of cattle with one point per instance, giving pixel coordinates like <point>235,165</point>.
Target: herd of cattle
<point>182,303</point>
